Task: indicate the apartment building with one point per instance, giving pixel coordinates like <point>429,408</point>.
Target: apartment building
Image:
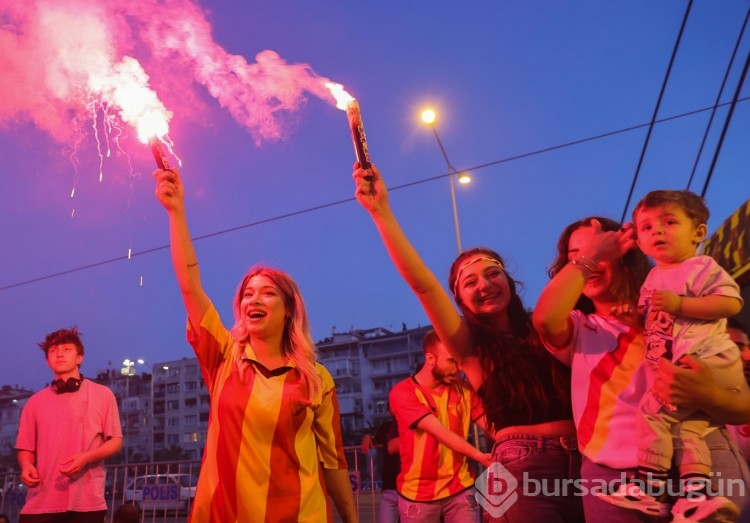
<point>164,413</point>
<point>365,364</point>
<point>180,410</point>
<point>12,400</point>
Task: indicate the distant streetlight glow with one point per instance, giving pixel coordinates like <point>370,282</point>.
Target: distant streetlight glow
<point>128,364</point>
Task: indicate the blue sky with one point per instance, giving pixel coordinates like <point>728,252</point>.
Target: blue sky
<point>506,79</point>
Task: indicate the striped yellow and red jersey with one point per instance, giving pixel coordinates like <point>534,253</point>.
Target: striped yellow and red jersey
<point>608,382</point>
<point>431,471</point>
<point>266,441</point>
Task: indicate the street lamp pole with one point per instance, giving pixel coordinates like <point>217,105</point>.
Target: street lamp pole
<point>128,369</point>
<point>453,173</point>
<point>429,118</point>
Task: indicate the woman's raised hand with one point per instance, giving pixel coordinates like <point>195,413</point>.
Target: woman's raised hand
<point>169,189</point>
<point>370,189</point>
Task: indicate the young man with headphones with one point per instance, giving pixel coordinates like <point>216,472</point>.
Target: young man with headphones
<point>66,432</point>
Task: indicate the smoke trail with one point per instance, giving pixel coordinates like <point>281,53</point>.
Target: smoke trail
<point>57,56</point>
<point>256,94</point>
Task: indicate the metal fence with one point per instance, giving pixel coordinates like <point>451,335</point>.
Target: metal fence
<point>164,491</point>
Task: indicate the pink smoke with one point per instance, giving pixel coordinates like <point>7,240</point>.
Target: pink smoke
<point>59,56</point>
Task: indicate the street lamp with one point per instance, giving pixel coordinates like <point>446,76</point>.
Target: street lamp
<point>429,118</point>
<point>128,369</point>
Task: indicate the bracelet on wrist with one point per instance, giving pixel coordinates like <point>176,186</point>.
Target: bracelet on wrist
<point>584,262</point>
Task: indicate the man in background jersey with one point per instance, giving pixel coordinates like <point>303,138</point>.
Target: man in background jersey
<point>434,411</point>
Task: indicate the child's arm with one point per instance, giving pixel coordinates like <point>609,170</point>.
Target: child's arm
<point>712,307</point>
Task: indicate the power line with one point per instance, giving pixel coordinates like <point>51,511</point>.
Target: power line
<point>656,109</point>
<point>347,200</point>
<point>726,124</point>
<point>718,98</point>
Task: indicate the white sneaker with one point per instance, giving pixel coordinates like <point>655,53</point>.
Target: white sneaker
<point>630,495</point>
<point>699,508</point>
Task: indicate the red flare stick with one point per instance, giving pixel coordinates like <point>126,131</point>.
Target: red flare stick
<point>159,155</point>
<point>358,134</point>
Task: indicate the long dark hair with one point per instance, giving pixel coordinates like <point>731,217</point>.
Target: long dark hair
<point>633,268</point>
<point>516,366</point>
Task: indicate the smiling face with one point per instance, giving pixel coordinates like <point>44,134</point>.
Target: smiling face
<point>598,287</point>
<point>64,360</point>
<point>262,307</point>
<point>482,286</point>
<point>667,234</point>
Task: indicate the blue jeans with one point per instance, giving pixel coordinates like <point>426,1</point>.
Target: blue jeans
<point>545,468</point>
<point>388,512</point>
<point>459,508</point>
<point>728,467</point>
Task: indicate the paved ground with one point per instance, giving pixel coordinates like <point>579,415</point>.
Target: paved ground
<point>367,503</point>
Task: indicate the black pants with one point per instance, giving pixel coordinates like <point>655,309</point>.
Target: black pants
<point>99,516</point>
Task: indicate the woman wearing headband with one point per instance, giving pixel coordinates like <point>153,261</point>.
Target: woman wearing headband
<point>525,392</point>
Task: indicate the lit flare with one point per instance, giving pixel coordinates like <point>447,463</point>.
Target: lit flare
<point>348,103</point>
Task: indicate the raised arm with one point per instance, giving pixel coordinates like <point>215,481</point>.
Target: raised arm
<point>556,302</point>
<point>171,193</point>
<point>371,193</point>
<point>559,297</point>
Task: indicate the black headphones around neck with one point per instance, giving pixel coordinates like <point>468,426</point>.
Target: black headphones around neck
<point>70,385</point>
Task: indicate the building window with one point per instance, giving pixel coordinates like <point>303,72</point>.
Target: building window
<point>173,405</point>
<point>191,419</point>
<point>173,421</point>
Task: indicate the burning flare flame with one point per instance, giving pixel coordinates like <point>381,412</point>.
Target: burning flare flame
<point>125,86</point>
<point>340,95</point>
